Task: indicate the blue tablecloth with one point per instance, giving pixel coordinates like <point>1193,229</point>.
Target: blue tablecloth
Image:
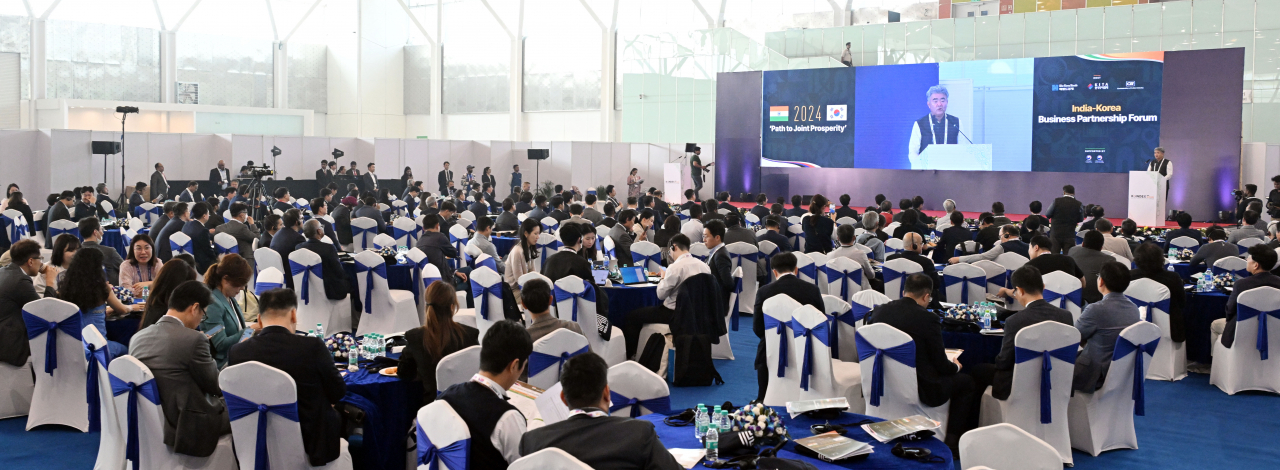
<point>113,238</point>
<point>1184,270</point>
<point>122,330</point>
<point>390,406</point>
<point>1201,310</point>
<point>399,276</point>
<point>504,245</point>
<point>978,348</point>
<point>624,299</point>
<point>882,458</point>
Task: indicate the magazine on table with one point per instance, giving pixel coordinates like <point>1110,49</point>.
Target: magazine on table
<point>832,446</point>
<point>886,431</point>
<point>796,408</point>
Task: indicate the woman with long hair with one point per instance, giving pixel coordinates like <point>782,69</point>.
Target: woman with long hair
<point>818,226</point>
<point>226,278</point>
<point>591,249</point>
<point>520,260</point>
<point>662,236</point>
<point>171,274</point>
<point>16,202</point>
<point>406,178</point>
<point>65,247</point>
<point>141,267</point>
<point>85,284</point>
<point>487,178</point>
<point>439,336</point>
<point>9,194</point>
<point>633,183</point>
<point>384,196</point>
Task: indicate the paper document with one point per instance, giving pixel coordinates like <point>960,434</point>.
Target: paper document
<point>832,446</point>
<point>553,409</point>
<point>886,431</point>
<point>524,397</point>
<point>795,408</point>
<point>953,354</point>
<point>688,458</point>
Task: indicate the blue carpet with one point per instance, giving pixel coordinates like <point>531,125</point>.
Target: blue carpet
<point>1189,424</point>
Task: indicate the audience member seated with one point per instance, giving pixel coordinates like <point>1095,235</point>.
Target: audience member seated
<point>1110,243</point>
<point>241,226</point>
<point>773,233</point>
<point>16,289</point>
<point>185,372</point>
<point>170,276</point>
<point>1248,230</point>
<point>1028,289</point>
<point>841,212</point>
<point>1261,259</point>
<point>537,298</point>
<point>525,204</point>
<point>318,210</point>
<point>818,227</point>
<point>480,240</point>
<point>1009,243</point>
<point>1184,229</point>
<point>1090,258</point>
<point>718,258</point>
<point>482,401</point>
<point>435,244</point>
<point>909,223</point>
<point>684,267</point>
<point>286,239</point>
<point>640,229</point>
<point>912,246</point>
<point>539,211</point>
<point>369,210</point>
<point>937,378</point>
<point>952,237</point>
<point>590,434</point>
<point>335,278</point>
<point>227,278</point>
<point>181,215</point>
<point>557,209</point>
<point>847,249</point>
<point>997,214</point>
<point>1217,248</point>
<point>874,237</point>
<point>1149,259</point>
<point>785,282</point>
<point>522,258</point>
<point>142,266</point>
<point>1100,324</point>
<point>342,218</point>
<point>662,236</point>
<point>58,210</point>
<point>622,237</point>
<point>1095,213</point>
<point>589,212</point>
<point>308,362</point>
<point>65,247</point>
<point>988,232</point>
<point>84,284</point>
<point>271,224</point>
<point>85,207</point>
<point>201,241</point>
<point>439,336</point>
<point>507,221</point>
<point>591,249</point>
<point>566,261</point>
<point>610,216</point>
<point>692,228</point>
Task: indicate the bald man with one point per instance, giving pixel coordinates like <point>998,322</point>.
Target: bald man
<point>912,247</point>
<point>220,176</point>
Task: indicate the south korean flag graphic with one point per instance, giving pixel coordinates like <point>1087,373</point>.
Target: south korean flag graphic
<point>837,112</point>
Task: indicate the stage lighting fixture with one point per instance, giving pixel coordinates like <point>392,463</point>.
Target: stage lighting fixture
<point>275,151</point>
<point>338,153</point>
<point>126,109</point>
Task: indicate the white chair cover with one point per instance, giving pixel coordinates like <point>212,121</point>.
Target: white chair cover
<point>892,227</point>
<point>647,254</point>
<point>15,225</point>
<point>547,246</point>
<point>784,371</point>
<point>112,440</point>
<point>128,372</point>
<point>637,391</point>
<point>863,302</point>
<point>967,247</point>
<point>385,311</point>
<point>150,212</point>
<point>1011,262</point>
<point>180,243</point>
<point>314,305</point>
<point>363,229</point>
<point>225,243</point>
<point>246,387</point>
<point>59,227</point>
<point>1103,420</point>
<point>1184,242</point>
<point>895,272</point>
<point>267,279</point>
<point>997,277</point>
<point>747,257</point>
<point>550,458</point>
<point>1152,299</point>
<point>573,290</point>
<point>893,245</point>
<point>610,251</point>
<point>1002,446</point>
<point>806,269</point>
<point>549,355</point>
<point>266,257</point>
<point>1064,291</point>
<point>1119,258</point>
<point>1243,366</point>
<point>444,441</point>
<point>1231,264</point>
<point>405,231</point>
<point>400,208</point>
<point>826,378</point>
<point>550,224</point>
<point>964,283</point>
<point>845,221</point>
<point>528,318</point>
<point>698,250</point>
<point>844,277</point>
<point>424,273</point>
<point>843,325</point>
<point>820,274</point>
<point>1026,407</point>
<point>795,234</point>
<point>752,220</point>
<point>486,293</point>
<point>901,397</point>
<point>724,350</point>
<point>59,396</point>
<point>383,240</point>
<point>794,220</point>
<point>457,368</point>
<point>130,230</point>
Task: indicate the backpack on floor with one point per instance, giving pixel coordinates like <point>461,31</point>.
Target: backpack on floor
<point>654,351</point>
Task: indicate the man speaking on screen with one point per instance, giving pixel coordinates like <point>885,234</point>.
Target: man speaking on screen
<point>937,127</point>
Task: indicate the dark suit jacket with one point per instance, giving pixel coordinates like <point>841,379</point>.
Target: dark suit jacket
<point>566,263</point>
<point>1049,262</point>
<point>418,364</point>
<point>932,366</point>
<point>187,376</point>
<point>437,248</point>
<point>159,187</point>
<point>320,387</point>
<point>632,444</point>
<point>559,215</point>
<point>817,232</point>
<point>244,235</point>
<point>522,207</point>
<point>1184,232</point>
<point>621,243</point>
<point>162,240</point>
<point>83,211</point>
<point>342,223</point>
<point>215,176</point>
<point>110,260</point>
<point>201,245</point>
<point>372,213</point>
<point>846,211</point>
<point>323,178</point>
<point>284,242</point>
<point>335,278</point>
<point>951,237</point>
<point>16,289</point>
<point>804,292</point>
<point>368,183</point>
<point>784,245</point>
<point>1064,213</point>
<point>187,196</point>
<point>1038,311</point>
<point>1263,279</point>
<point>988,237</point>
<point>507,221</point>
<point>1090,261</point>
<point>1211,252</point>
<point>443,179</point>
<point>722,270</point>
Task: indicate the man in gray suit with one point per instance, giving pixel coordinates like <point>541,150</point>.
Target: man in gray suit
<point>16,289</point>
<point>621,235</point>
<point>1217,248</point>
<point>370,209</point>
<point>590,212</point>
<point>1090,258</point>
<point>91,232</point>
<point>241,227</point>
<point>159,185</point>
<point>480,241</point>
<point>1100,324</point>
<point>1248,230</point>
<point>185,373</point>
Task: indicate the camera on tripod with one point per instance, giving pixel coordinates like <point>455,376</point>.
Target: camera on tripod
<point>259,171</point>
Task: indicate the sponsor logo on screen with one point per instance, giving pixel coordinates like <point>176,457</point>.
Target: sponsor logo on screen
<point>1100,86</point>
<point>777,113</point>
<point>837,112</point>
<point>1130,85</point>
<point>1064,87</point>
<point>1097,77</point>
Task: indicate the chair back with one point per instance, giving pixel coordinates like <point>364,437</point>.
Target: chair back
<point>892,227</point>
<point>1012,261</point>
<point>647,254</point>
<point>609,250</point>
<point>444,440</point>
<point>308,282</point>
<point>15,225</point>
<point>576,302</point>
<point>383,240</point>
<point>1185,242</point>
<point>549,355</point>
<point>64,226</point>
<point>265,257</point>
<point>888,371</point>
<point>549,224</point>
<point>895,272</point>
<point>795,234</point>
<point>400,208</point>
<point>1006,446</point>
<point>967,247</point>
<point>180,243</point>
<point>892,246</point>
<point>1044,364</point>
<point>1246,365</point>
<point>405,232</point>
<point>844,277</point>
<point>746,256</point>
<point>997,277</point>
<point>267,279</point>
<point>964,283</point>
<point>424,274</point>
<point>102,409</point>
<point>550,458</point>
<point>57,358</point>
<point>363,230</point>
<point>1233,265</point>
<point>806,270</point>
<point>637,391</point>
<point>1119,258</point>
<point>846,221</point>
<point>486,292</point>
<point>457,368</point>
<point>148,212</point>
<point>843,325</point>
<point>1124,389</point>
<point>247,388</point>
<point>379,314</point>
<point>811,340</point>
<point>1245,244</point>
<point>547,245</point>
<point>697,250</point>
<point>225,243</point>
<point>768,250</point>
<point>1063,290</point>
<point>136,383</point>
<point>820,274</point>
<point>753,221</point>
<point>784,375</point>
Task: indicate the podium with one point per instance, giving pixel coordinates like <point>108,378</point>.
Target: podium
<point>672,173</point>
<point>1146,198</point>
<point>966,157</point>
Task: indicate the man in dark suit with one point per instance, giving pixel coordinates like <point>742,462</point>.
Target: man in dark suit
<point>159,185</point>
<point>335,278</point>
<point>1047,262</point>
<point>690,200</point>
<point>1028,289</point>
<point>1261,259</point>
<point>844,210</point>
<point>85,207</point>
<point>308,362</point>
<point>773,233</point>
<point>661,205</point>
<point>525,203</point>
<point>370,210</point>
<point>288,238</point>
<point>632,444</point>
<point>369,180</point>
<point>444,178</point>
<point>91,232</point>
<point>1009,243</point>
<point>1090,258</point>
<point>319,209</point>
<point>220,177</point>
<point>988,232</point>
<point>323,175</point>
<point>952,237</point>
<point>539,210</point>
<point>201,242</point>
<point>566,261</point>
<point>136,199</point>
<point>242,227</point>
<point>190,194</point>
<point>912,244</point>
<point>622,238</point>
<point>557,209</point>
<point>1217,248</point>
<point>282,199</point>
<point>1064,213</point>
<point>507,221</point>
<point>342,219</point>
<point>1100,323</point>
<point>1184,229</point>
<point>718,260</point>
<point>60,210</point>
<point>166,214</point>
<point>761,209</point>
<point>181,214</point>
<point>496,427</point>
<point>185,373</point>
<point>435,244</point>
<point>937,378</point>
<point>16,289</point>
<point>786,283</point>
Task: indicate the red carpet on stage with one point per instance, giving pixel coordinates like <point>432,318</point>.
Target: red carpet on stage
<point>971,215</point>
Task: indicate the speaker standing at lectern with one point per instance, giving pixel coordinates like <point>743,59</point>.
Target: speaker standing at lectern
<point>937,127</point>
<point>1163,166</point>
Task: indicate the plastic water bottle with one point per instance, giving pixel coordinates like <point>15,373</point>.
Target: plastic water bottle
<point>146,292</point>
<point>320,331</point>
<point>700,421</point>
<point>712,440</point>
<point>724,420</point>
<point>353,359</point>
<point>986,317</point>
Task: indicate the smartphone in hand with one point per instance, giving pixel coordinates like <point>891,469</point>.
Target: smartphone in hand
<point>214,331</point>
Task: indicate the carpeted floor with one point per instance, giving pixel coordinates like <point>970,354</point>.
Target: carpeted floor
<point>1189,424</point>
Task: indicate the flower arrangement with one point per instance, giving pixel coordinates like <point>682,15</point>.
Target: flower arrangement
<point>1207,281</point>
<point>339,344</point>
<point>762,421</point>
<point>124,294</point>
<point>962,312</point>
<point>388,251</point>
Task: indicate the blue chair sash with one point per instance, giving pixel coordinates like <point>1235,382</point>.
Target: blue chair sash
<point>489,263</point>
<point>771,323</point>
<point>654,259</point>
<point>834,274</point>
<point>54,232</point>
<point>16,231</point>
<point>702,258</point>
<point>1163,305</point>
<point>539,362</point>
<point>549,228</point>
<point>454,456</point>
<point>656,405</point>
<point>904,353</point>
<point>148,390</point>
<point>891,275</point>
<point>298,268</point>
<point>1245,312</point>
<point>238,407</point>
<point>1066,354</point>
<point>95,356</point>
<point>363,236</point>
<point>682,216</point>
<point>949,280</point>
<point>554,245</point>
<point>176,247</point>
<point>37,326</point>
<point>768,261</point>
<point>483,293</point>
<point>1060,300</point>
<point>418,285</point>
<point>381,271</point>
<point>588,294</point>
<point>848,317</point>
<point>222,251</point>
<point>737,300</point>
<point>1220,271</point>
<point>262,287</point>
<point>1000,279</point>
<point>1123,348</point>
<point>737,258</point>
<point>810,270</point>
<point>822,331</point>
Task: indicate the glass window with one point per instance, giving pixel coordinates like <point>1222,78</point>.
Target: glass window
<point>231,71</point>
<point>562,51</point>
<point>308,77</point>
<point>477,58</point>
<point>102,62</point>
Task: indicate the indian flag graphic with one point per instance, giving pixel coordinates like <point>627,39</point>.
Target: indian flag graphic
<point>777,113</point>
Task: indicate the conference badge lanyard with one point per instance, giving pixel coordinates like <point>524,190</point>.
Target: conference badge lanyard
<point>592,412</point>
<point>945,123</point>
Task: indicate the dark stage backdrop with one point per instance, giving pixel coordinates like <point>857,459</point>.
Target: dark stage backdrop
<point>1200,130</point>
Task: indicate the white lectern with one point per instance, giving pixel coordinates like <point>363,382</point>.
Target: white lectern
<point>971,157</point>
<point>671,182</point>
<point>1146,198</point>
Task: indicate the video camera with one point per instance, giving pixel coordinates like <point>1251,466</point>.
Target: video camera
<point>259,171</point>
<point>1238,194</point>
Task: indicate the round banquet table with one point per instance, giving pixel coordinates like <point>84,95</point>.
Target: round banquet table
<point>399,276</point>
<point>978,348</point>
<point>1201,310</point>
<point>504,245</point>
<point>623,299</point>
<point>389,405</point>
<point>882,458</point>
<point>1184,270</point>
<point>113,238</point>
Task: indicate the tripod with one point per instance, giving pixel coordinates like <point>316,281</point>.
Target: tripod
<point>252,191</point>
<point>120,204</point>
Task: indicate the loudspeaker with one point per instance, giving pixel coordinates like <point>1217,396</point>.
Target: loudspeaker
<point>105,147</point>
<point>539,154</point>
<point>689,148</point>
